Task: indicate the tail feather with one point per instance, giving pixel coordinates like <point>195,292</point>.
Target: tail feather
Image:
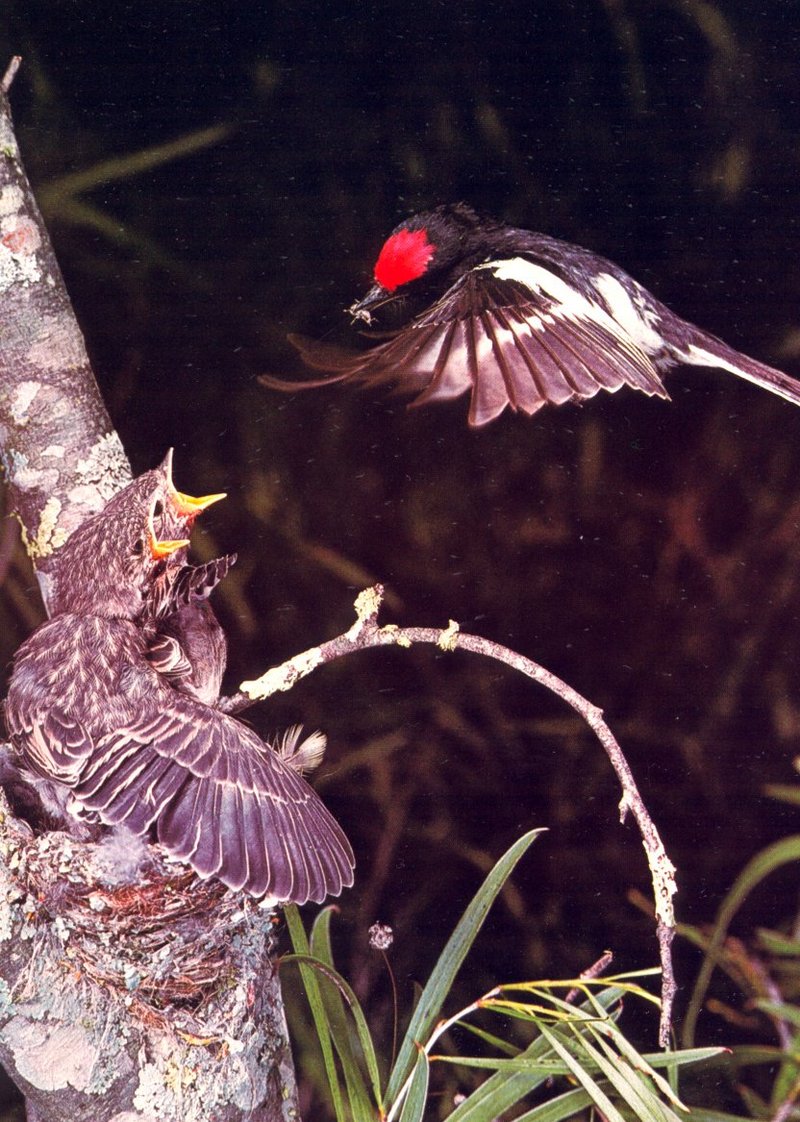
<point>703,349</point>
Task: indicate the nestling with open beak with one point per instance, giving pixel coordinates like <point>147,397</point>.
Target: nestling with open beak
<point>107,707</point>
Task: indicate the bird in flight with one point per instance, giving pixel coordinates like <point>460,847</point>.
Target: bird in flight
<point>516,319</point>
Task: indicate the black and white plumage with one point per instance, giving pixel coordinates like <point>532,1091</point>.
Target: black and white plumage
<point>89,711</point>
<point>517,319</point>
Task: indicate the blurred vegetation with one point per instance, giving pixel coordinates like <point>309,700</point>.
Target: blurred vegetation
<point>758,1000</point>
<point>646,552</point>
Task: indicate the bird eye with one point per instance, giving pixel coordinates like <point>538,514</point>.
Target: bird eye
<point>138,547</point>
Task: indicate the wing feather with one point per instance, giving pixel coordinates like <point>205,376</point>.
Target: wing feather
<point>220,799</point>
<point>508,344</point>
<point>178,586</point>
<point>55,744</point>
<point>207,857</point>
<point>167,657</point>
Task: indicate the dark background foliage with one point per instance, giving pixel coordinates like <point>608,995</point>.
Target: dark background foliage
<point>647,552</point>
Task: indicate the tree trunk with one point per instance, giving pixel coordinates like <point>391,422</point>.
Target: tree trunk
<point>157,1001</point>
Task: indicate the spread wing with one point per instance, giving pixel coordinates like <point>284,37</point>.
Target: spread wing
<point>53,743</point>
<point>180,585</point>
<point>187,644</point>
<point>506,343</point>
<point>219,799</point>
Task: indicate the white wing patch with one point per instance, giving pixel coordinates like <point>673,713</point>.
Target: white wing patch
<point>625,320</point>
<point>760,375</point>
<point>631,314</point>
<point>697,356</point>
<point>568,302</point>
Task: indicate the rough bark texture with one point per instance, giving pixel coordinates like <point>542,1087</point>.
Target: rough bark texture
<point>80,1032</point>
<point>61,456</point>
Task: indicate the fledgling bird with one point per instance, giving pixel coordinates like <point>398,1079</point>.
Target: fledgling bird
<point>186,643</point>
<point>89,713</point>
<point>179,619</point>
<point>518,320</point>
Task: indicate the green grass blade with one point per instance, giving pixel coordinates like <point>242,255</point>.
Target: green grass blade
<point>781,1010</point>
<point>341,1029</point>
<point>639,1063</point>
<point>497,1042</point>
<point>673,1060</point>
<point>670,1061</point>
<point>651,1063</point>
<point>776,943</point>
<point>297,935</point>
<point>417,1097</point>
<point>591,1086</point>
<point>361,1106</point>
<point>767,861</point>
<point>630,1084</point>
<point>558,1109</point>
<point>340,1037</point>
<point>546,1068</point>
<point>745,1055</point>
<point>358,1096</point>
<point>320,941</point>
<point>501,1091</point>
<point>441,980</point>
<point>783,792</point>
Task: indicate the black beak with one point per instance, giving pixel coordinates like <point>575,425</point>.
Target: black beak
<point>362,309</point>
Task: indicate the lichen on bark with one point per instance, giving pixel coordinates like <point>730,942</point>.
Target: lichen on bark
<point>84,1032</point>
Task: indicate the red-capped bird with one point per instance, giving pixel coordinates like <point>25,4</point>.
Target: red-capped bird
<point>518,320</point>
<point>106,731</point>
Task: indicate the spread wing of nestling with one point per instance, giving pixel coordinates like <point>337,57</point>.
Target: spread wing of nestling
<point>215,794</point>
<point>220,799</point>
<point>56,742</point>
<point>112,709</point>
<point>186,584</point>
<point>504,343</point>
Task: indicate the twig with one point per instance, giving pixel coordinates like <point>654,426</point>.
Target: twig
<point>593,971</point>
<point>365,634</point>
<point>10,74</point>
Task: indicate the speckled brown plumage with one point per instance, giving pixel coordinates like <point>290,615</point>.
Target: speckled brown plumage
<point>116,729</point>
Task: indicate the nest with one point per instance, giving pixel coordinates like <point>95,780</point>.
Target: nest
<point>163,939</point>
